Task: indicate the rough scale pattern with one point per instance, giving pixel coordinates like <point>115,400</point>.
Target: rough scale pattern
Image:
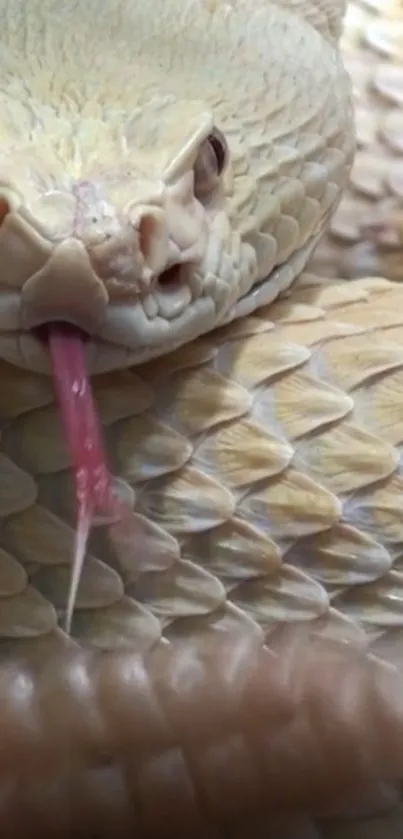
<point>265,467</point>
<point>367,231</point>
<point>263,459</point>
<point>289,418</point>
<point>96,204</point>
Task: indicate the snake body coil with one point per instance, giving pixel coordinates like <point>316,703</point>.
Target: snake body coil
<point>165,173</point>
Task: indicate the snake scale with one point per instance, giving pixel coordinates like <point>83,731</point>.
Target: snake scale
<point>165,175</point>
<point>366,233</point>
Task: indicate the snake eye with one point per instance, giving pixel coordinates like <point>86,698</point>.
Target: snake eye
<point>210,163</point>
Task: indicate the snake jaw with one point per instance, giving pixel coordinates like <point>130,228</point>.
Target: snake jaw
<point>161,273</point>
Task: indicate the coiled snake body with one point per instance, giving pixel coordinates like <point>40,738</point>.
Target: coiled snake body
<point>165,174</point>
<point>366,232</point>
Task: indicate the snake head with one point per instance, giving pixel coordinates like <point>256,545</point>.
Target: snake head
<point>153,192</point>
<point>126,244</point>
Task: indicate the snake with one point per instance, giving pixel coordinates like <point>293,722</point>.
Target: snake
<point>232,420</point>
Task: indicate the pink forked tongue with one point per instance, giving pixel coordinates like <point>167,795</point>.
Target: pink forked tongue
<point>83,438</point>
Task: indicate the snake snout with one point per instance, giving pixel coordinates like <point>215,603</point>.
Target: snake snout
<point>65,289</point>
<point>130,261</point>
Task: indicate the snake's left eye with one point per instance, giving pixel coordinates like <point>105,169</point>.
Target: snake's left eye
<point>210,163</point>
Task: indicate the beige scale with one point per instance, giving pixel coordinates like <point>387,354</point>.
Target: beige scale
<point>366,234</point>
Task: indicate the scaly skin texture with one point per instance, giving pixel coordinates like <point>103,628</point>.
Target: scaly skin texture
<point>265,466</point>
<point>366,234</point>
<point>98,195</point>
<point>262,458</point>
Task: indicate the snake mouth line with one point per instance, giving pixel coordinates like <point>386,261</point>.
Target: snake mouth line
<point>133,335</point>
<point>42,333</point>
<point>128,338</point>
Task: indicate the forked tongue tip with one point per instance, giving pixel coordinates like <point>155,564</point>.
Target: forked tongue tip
<point>84,521</point>
<point>83,440</point>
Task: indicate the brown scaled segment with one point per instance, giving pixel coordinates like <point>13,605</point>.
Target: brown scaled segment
<point>220,737</point>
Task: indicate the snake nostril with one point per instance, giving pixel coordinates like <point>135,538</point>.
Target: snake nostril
<point>170,279</point>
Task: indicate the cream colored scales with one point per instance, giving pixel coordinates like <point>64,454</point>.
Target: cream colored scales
<point>367,232</point>
<point>263,458</point>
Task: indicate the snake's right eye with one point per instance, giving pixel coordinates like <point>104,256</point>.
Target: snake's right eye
<point>210,163</point>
